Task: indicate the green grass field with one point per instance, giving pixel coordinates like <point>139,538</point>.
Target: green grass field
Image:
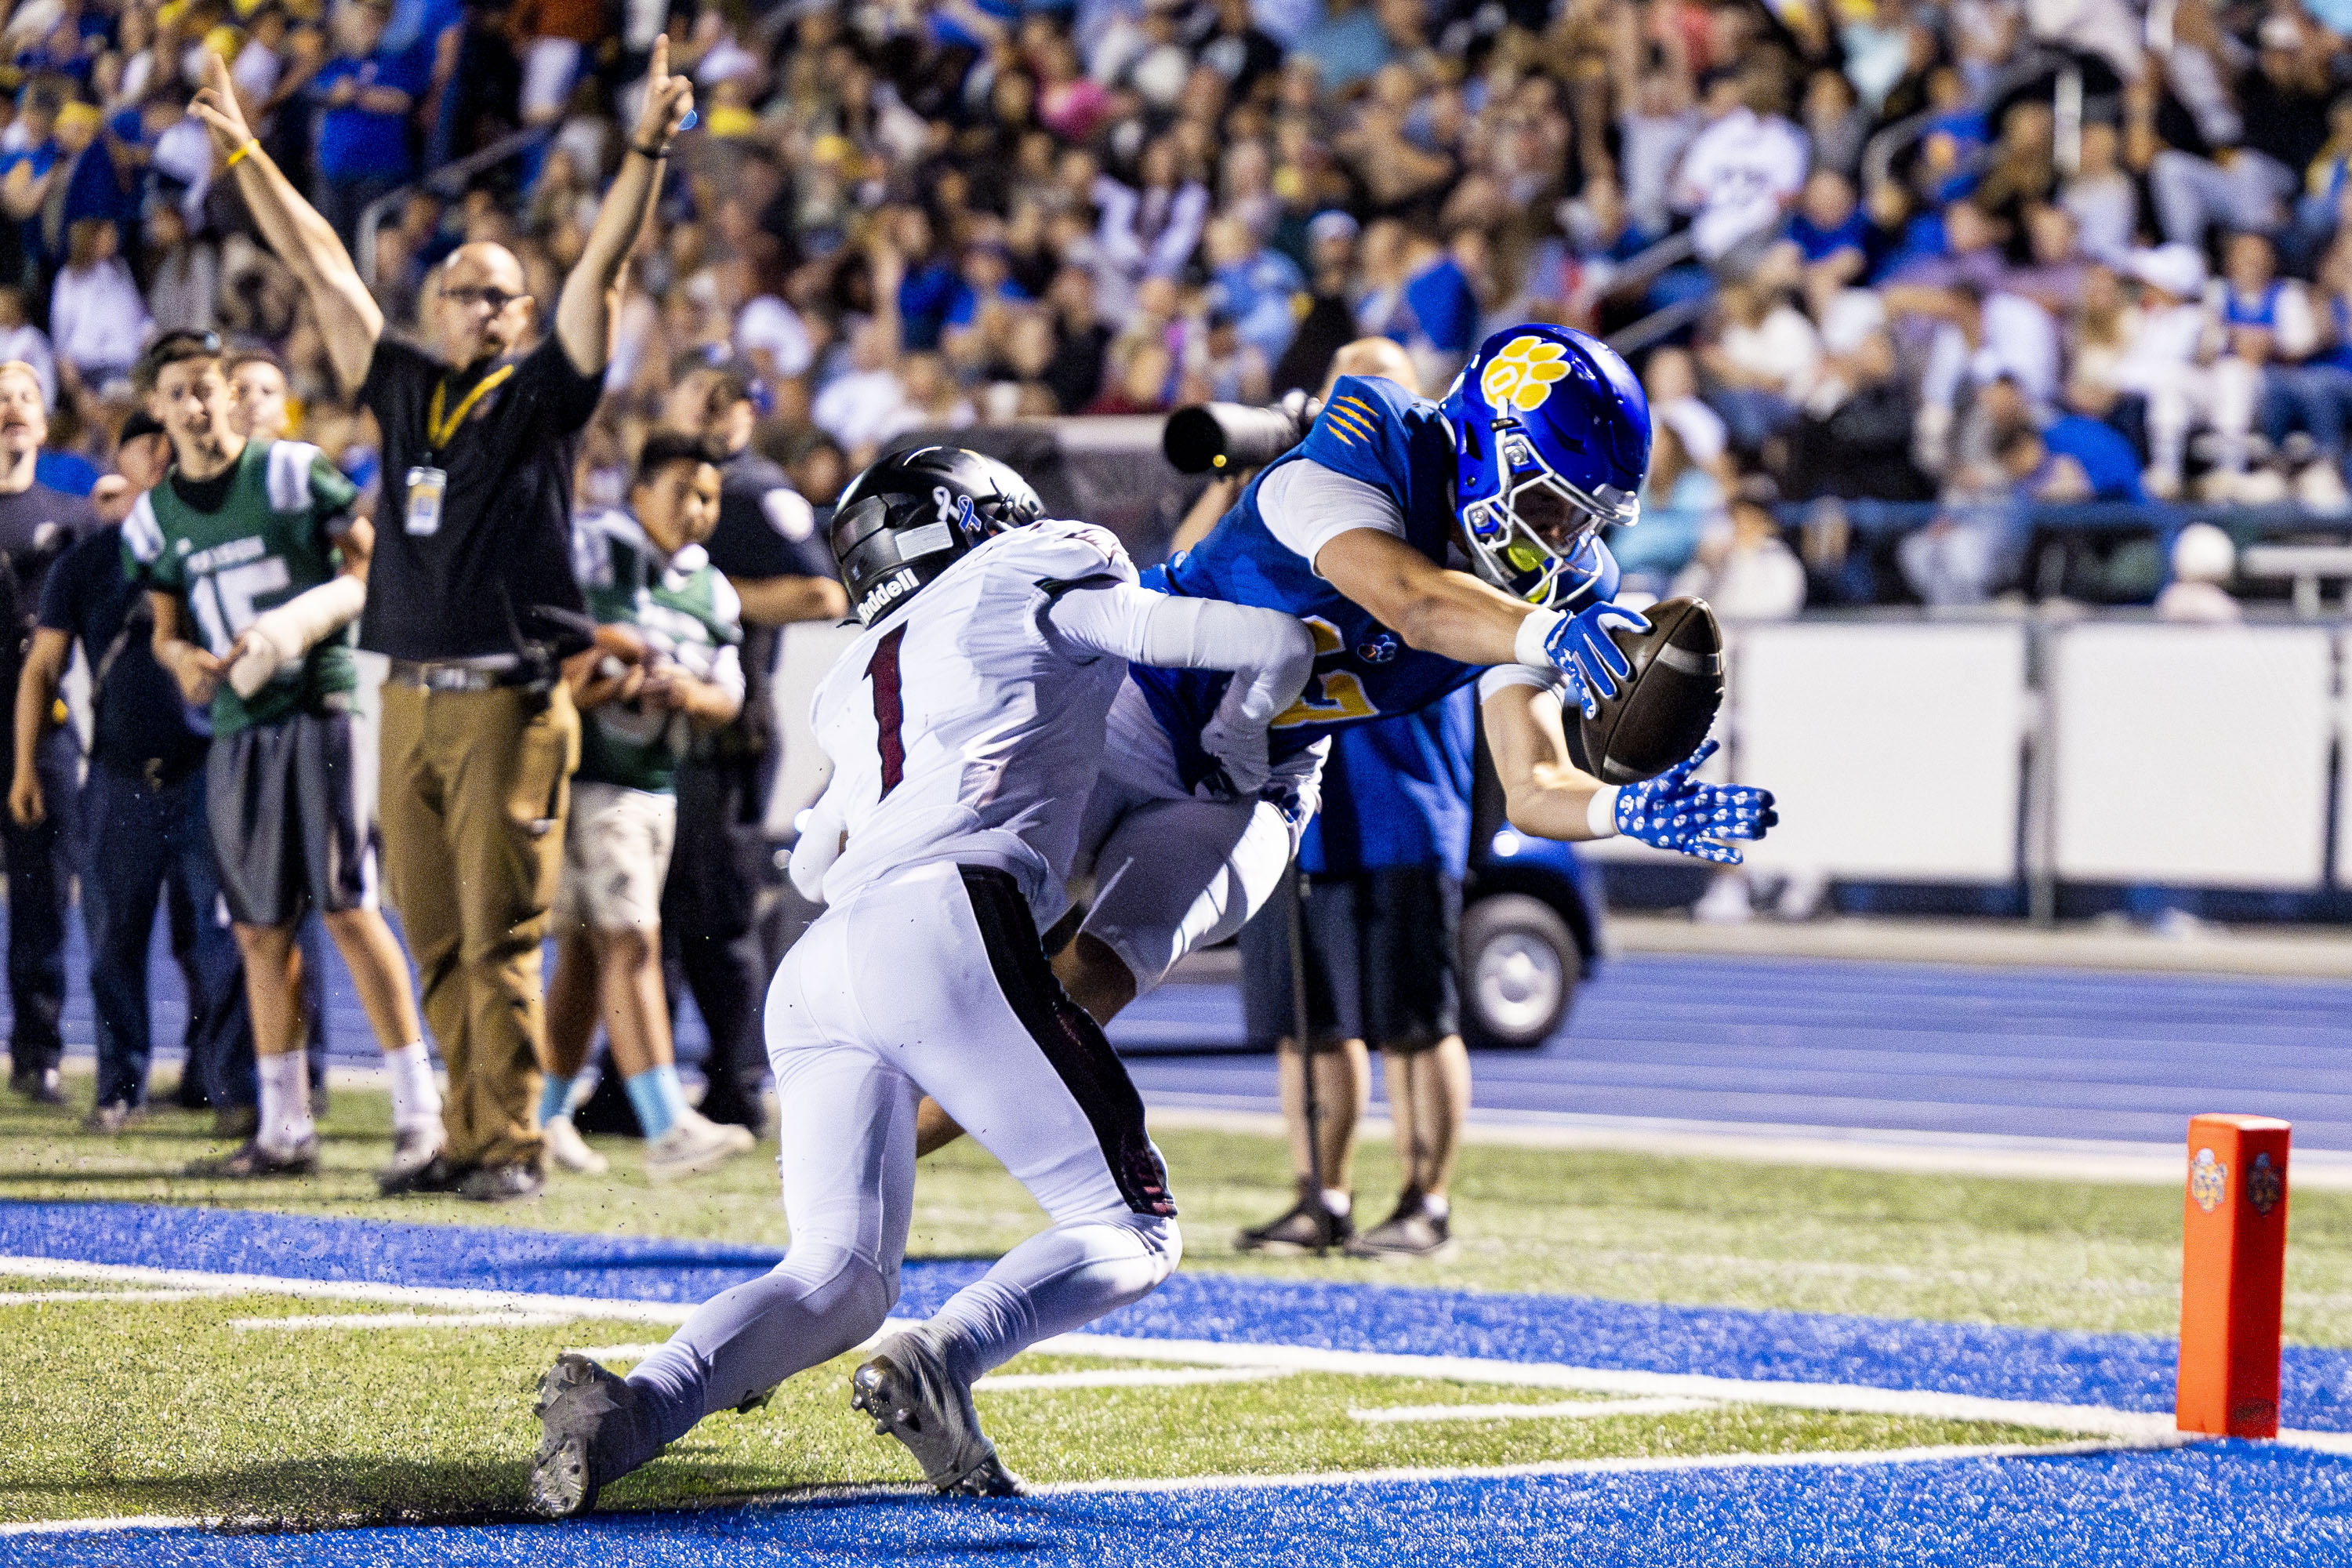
<point>162,1406</point>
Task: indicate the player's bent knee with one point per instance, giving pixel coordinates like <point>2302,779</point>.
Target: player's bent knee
<point>844,1287</point>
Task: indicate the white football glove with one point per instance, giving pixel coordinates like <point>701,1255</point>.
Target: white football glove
<point>1239,748</point>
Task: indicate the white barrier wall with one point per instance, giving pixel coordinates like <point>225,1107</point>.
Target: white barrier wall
<point>1891,750</point>
<point>2192,756</point>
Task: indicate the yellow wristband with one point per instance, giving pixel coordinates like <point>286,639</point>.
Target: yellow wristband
<point>246,150</point>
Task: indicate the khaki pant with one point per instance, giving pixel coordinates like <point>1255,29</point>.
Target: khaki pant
<point>474,793</point>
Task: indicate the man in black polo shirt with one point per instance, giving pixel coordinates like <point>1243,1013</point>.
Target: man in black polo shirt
<point>723,866</point>
<point>142,814</point>
<point>471,574</point>
<point>38,525</point>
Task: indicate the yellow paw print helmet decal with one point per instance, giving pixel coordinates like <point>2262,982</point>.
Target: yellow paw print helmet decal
<point>1521,376</point>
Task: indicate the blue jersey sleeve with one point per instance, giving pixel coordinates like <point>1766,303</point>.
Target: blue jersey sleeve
<point>1362,433</point>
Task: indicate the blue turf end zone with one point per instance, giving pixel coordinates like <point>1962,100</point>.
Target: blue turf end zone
<point>2217,1503</point>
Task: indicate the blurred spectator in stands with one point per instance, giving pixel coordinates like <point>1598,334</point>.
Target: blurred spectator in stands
<point>1151,229</point>
<point>1835,124</point>
<point>1259,288</point>
<point>365,95</point>
<point>1855,438</point>
<point>2100,196</point>
<point>556,36</point>
<point>1682,503</point>
<point>2204,169</point>
<point>25,343</point>
<point>1074,373</point>
<point>258,381</point>
<point>1142,373</point>
<point>183,273</point>
<point>2020,172</point>
<point>2081,432</point>
<point>1653,132</point>
<point>1744,167</point>
<point>1979,336</point>
<point>97,320</point>
<point>1832,234</point>
<point>1761,356</point>
<point>2270,329</point>
<point>1231,369</point>
<point>1330,320</point>
<point>2037,474</point>
<point>1952,562</point>
<point>2171,362</point>
<point>2052,274</point>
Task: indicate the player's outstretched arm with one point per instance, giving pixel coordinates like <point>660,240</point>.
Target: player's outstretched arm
<point>348,315</point>
<point>583,313</point>
<point>1547,795</point>
<point>1270,654</point>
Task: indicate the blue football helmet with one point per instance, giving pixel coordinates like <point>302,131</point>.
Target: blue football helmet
<point>1551,437</point>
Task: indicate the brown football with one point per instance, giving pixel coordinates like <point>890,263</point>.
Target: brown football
<point>1663,710</point>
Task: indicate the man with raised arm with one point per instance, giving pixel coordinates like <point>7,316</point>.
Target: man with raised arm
<point>471,596</point>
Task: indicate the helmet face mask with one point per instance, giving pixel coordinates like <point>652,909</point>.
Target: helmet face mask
<point>1551,436</point>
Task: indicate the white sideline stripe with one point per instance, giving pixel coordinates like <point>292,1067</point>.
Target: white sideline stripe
<point>1836,1460</point>
<point>1122,1377</point>
<point>613,1352</point>
<point>373,1320</point>
<point>454,1299</point>
<point>1564,1410</point>
<point>1853,1399</point>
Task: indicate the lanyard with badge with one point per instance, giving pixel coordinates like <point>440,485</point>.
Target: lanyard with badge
<point>427,485</point>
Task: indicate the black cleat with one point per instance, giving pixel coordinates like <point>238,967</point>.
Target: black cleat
<point>438,1174</point>
<point>1307,1228</point>
<point>578,1402</point>
<point>912,1395</point>
<point>1412,1232</point>
<point>256,1160</point>
<point>504,1184</point>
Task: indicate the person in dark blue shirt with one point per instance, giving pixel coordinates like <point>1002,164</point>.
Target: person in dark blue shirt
<point>143,811</point>
<point>1385,861</point>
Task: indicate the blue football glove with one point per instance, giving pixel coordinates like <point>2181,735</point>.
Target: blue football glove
<point>1582,649</point>
<point>1672,813</point>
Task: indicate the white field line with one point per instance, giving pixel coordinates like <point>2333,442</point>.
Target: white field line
<point>1125,1377</point>
<point>373,1321</point>
<point>2134,1426</point>
<point>1563,1410</point>
<point>613,1352</point>
<point>21,1298</point>
<point>449,1299</point>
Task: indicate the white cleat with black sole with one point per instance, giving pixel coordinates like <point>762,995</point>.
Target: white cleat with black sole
<point>578,1402</point>
<point>908,1390</point>
<point>569,1150</point>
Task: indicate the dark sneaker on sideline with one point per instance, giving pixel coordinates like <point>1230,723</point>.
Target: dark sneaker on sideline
<point>438,1174</point>
<point>256,1160</point>
<point>502,1183</point>
<point>42,1086</point>
<point>1310,1226</point>
<point>412,1149</point>
<point>577,1403</point>
<point>1412,1232</point>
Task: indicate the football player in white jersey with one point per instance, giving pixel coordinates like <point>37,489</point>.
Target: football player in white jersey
<point>964,728</point>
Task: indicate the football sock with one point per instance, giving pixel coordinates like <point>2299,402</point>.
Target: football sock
<point>285,1083</point>
<point>415,1097</point>
<point>556,1100</point>
<point>1435,1205</point>
<point>1057,1280</point>
<point>1340,1200</point>
<point>659,1097</point>
<point>818,1303</point>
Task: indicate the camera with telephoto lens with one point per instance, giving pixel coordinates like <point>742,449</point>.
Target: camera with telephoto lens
<point>1224,439</point>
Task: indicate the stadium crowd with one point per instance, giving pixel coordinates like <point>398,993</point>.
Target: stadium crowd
<point>1973,252</point>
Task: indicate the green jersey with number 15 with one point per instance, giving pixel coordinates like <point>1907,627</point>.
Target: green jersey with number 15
<point>273,537</point>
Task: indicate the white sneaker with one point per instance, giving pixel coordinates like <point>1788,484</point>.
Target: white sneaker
<point>568,1149</point>
<point>695,1145</point>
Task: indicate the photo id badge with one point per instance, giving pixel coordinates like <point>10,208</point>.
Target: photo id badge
<point>424,490</point>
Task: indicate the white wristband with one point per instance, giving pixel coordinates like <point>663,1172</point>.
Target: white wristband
<point>1600,815</point>
<point>1527,642</point>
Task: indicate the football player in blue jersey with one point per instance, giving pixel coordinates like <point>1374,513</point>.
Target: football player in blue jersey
<point>1426,545</point>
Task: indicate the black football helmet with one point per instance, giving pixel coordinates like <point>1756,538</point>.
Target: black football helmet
<point>912,515</point>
